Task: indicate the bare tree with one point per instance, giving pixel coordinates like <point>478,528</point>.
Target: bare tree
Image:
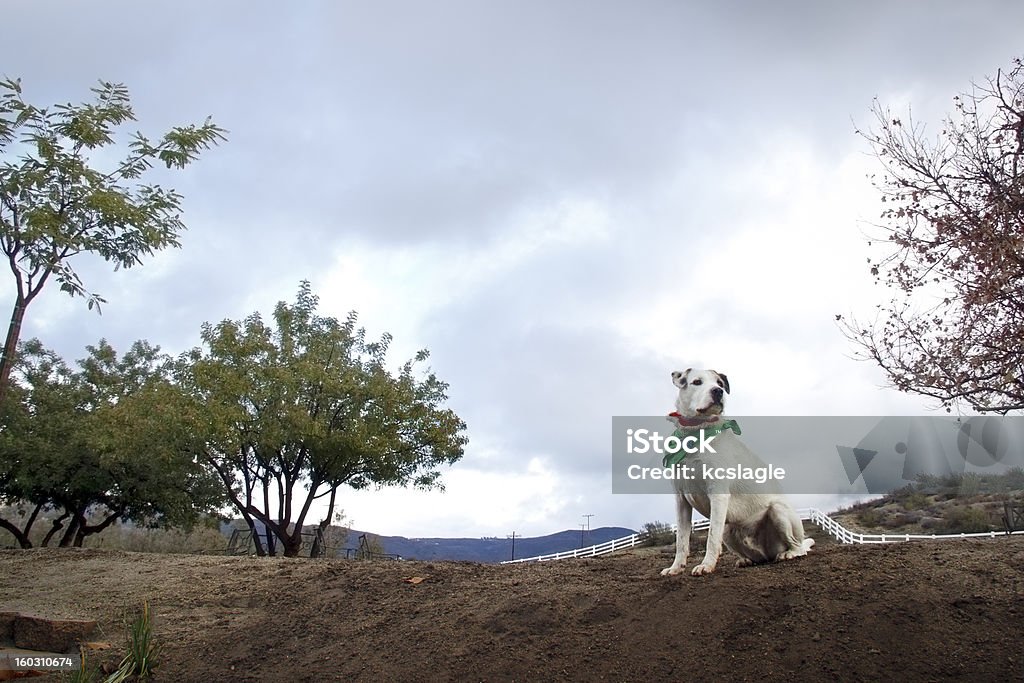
<point>953,329</point>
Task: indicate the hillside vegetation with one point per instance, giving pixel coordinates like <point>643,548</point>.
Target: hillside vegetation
<point>957,503</point>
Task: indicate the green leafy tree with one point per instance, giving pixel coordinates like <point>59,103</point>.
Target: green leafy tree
<point>97,445</point>
<point>287,413</point>
<point>56,201</point>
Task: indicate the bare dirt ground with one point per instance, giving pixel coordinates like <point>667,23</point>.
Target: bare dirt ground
<point>925,611</point>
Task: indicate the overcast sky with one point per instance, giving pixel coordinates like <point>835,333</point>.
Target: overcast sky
<point>562,201</point>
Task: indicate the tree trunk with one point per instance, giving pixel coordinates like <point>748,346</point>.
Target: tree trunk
<point>27,529</point>
<point>293,542</point>
<point>58,524</point>
<point>85,529</point>
<point>19,535</point>
<point>69,534</point>
<point>319,547</point>
<point>271,533</point>
<point>11,344</point>
<point>271,545</point>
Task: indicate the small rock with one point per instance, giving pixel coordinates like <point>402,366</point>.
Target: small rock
<point>7,625</point>
<point>33,632</point>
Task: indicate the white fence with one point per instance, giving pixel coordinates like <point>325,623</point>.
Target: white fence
<point>601,548</point>
<point>844,535</point>
<point>816,516</point>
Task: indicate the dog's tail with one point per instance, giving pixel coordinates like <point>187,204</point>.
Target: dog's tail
<point>808,543</point>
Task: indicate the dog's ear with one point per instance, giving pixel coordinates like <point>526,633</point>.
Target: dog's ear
<point>681,377</point>
<point>725,381</point>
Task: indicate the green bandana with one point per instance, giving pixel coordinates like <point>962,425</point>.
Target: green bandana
<point>710,431</point>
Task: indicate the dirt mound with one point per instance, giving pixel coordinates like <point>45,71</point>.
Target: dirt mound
<point>913,611</point>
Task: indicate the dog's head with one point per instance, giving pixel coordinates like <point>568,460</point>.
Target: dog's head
<point>701,392</point>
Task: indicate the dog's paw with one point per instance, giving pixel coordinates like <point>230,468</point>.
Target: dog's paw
<point>673,570</point>
<point>790,554</point>
<point>743,562</point>
<point>702,569</point>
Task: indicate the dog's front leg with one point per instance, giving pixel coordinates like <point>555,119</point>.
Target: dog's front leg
<point>716,530</point>
<point>684,515</point>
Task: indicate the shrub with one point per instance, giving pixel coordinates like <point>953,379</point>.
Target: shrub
<point>966,520</point>
<point>871,517</point>
<point>970,484</point>
<point>903,519</point>
<point>945,484</point>
<point>915,501</point>
<point>658,533</point>
<point>200,539</point>
<point>1014,479</point>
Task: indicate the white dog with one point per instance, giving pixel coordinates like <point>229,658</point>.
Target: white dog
<point>754,520</point>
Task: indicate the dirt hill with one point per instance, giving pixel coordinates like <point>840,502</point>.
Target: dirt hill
<point>922,611</point>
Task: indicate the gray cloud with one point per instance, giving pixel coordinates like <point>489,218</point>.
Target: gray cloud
<point>463,128</point>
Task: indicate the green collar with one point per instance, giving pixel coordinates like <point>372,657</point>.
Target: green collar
<point>710,431</point>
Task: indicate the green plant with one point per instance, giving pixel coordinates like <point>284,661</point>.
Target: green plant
<point>332,413</point>
<point>1014,479</point>
<point>658,533</point>
<point>966,520</point>
<point>84,674</point>
<point>143,651</point>
<point>201,539</point>
<point>970,484</point>
<point>871,517</point>
<point>57,199</point>
<point>71,444</point>
<point>915,501</point>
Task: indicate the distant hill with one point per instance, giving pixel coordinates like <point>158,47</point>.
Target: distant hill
<point>476,549</point>
<point>489,549</point>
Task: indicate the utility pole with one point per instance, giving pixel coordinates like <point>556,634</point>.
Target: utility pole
<point>582,529</point>
<point>513,537</point>
<point>588,527</point>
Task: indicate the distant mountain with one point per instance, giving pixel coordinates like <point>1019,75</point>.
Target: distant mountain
<point>489,549</point>
<point>478,549</point>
